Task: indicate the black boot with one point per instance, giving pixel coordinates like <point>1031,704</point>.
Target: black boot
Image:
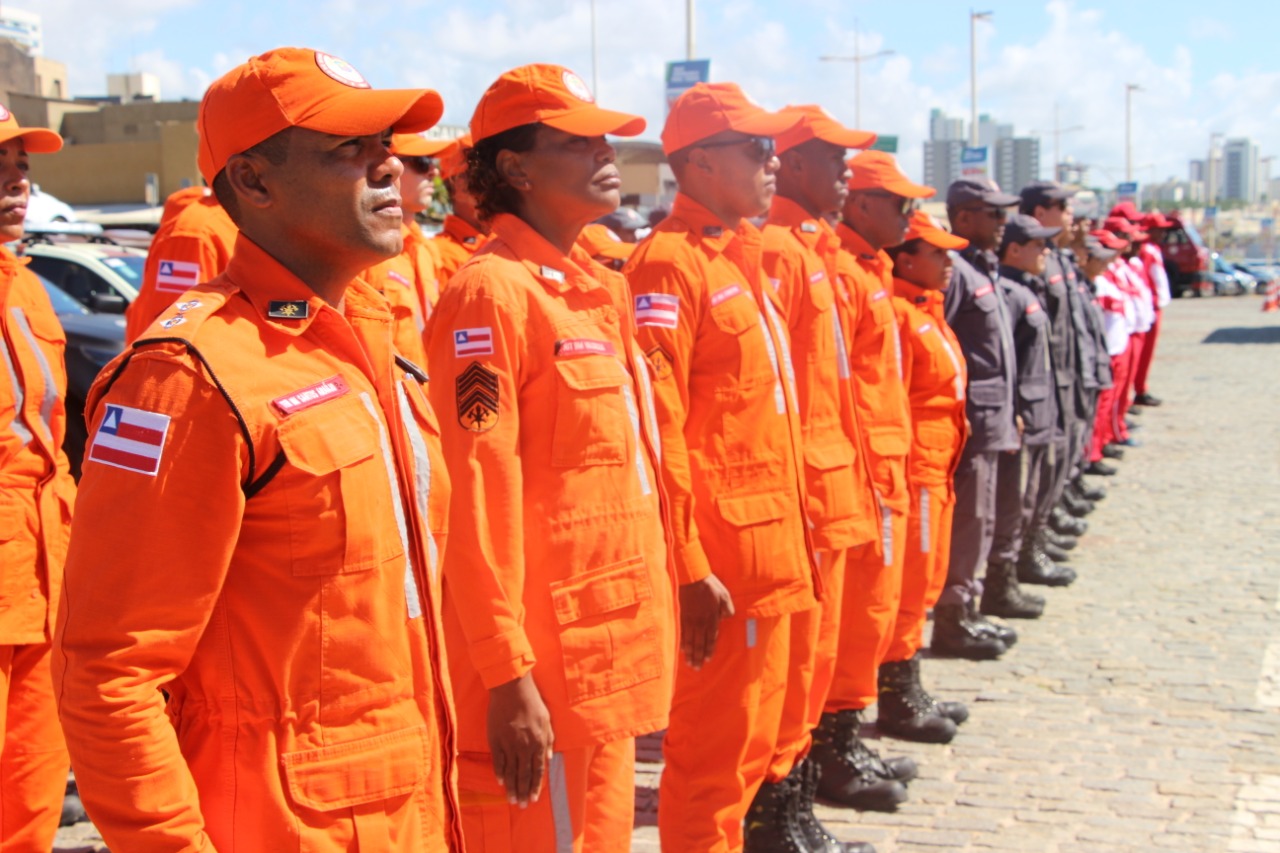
<point>1034,566</point>
<point>807,774</point>
<point>1063,523</point>
<point>1113,451</point>
<point>1061,541</point>
<point>999,630</point>
<point>1101,469</point>
<point>1053,552</point>
<point>904,710</point>
<point>1076,506</point>
<point>1001,595</point>
<point>772,825</point>
<point>955,634</point>
<point>852,774</point>
<point>1087,491</point>
<point>956,712</point>
<point>72,808</point>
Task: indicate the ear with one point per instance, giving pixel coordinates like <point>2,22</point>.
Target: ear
<point>244,173</point>
<point>792,161</point>
<point>699,159</point>
<point>510,164</point>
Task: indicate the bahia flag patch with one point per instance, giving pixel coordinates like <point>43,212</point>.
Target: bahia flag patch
<point>658,309</point>
<point>132,439</point>
<point>473,342</point>
<point>177,276</point>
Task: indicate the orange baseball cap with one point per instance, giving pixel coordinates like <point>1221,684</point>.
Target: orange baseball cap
<point>710,108</point>
<point>598,240</point>
<point>924,227</point>
<point>453,160</point>
<point>878,170</point>
<point>417,145</point>
<point>36,140</point>
<point>817,123</point>
<point>298,87</point>
<point>551,95</point>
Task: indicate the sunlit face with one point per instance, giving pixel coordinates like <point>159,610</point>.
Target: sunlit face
<point>417,183</point>
<point>575,175</point>
<point>744,169</point>
<point>16,191</point>
<point>926,265</point>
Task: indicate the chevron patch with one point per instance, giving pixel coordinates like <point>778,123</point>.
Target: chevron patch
<point>477,389</point>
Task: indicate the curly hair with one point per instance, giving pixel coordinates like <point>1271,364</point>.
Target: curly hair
<point>492,193</point>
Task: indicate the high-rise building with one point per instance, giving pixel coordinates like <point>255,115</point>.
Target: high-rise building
<point>22,27</point>
<point>942,163</point>
<point>942,126</point>
<point>1240,170</point>
<point>1017,161</point>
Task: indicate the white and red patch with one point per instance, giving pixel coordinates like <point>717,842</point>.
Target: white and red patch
<point>472,342</point>
<point>1033,307</point>
<point>658,309</point>
<point>341,70</point>
<point>177,276</point>
<point>312,395</point>
<point>132,439</point>
<point>983,291</point>
<point>583,346</point>
<point>577,87</point>
<point>725,293</point>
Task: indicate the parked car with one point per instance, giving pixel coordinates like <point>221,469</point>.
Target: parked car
<point>102,277</point>
<point>1186,258</point>
<point>1229,281</point>
<point>92,341</point>
<point>42,208</point>
<point>1264,271</point>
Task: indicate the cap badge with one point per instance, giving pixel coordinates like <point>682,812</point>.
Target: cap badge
<point>341,70</point>
<point>288,309</point>
<point>577,88</point>
<point>5,115</point>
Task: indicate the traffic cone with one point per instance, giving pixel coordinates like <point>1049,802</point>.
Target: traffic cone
<point>1272,302</point>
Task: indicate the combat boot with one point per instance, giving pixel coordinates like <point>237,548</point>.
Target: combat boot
<point>955,634</point>
<point>1087,491</point>
<point>1061,541</point>
<point>815,835</point>
<point>1076,506</point>
<point>1060,521</point>
<point>999,630</point>
<point>1101,469</point>
<point>772,825</point>
<point>1001,595</point>
<point>851,773</point>
<point>1034,566</point>
<point>904,710</point>
<point>1113,451</point>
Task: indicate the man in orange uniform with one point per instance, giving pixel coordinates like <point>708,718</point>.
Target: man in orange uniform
<point>933,369</point>
<point>192,245</point>
<point>560,598</point>
<point>712,327</point>
<point>800,252</point>
<point>874,216</point>
<point>463,233</point>
<point>36,495</point>
<point>284,592</point>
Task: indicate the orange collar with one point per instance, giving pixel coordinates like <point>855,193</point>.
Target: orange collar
<point>461,231</point>
<point>548,264</point>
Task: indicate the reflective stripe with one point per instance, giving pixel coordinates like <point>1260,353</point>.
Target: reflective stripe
<point>421,481</point>
<point>897,348</point>
<point>634,413</point>
<point>779,398</point>
<point>752,630</point>
<point>842,355</point>
<point>50,388</point>
<point>924,522</point>
<point>410,582</point>
<point>1024,470</point>
<point>650,408</point>
<point>558,785</point>
<point>18,427</point>
<point>886,533</point>
<point>781,331</point>
<point>955,362</point>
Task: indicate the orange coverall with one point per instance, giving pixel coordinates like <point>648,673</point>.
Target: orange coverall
<point>454,246</point>
<point>192,245</point>
<point>558,560</point>
<point>934,369</point>
<point>800,258</point>
<point>713,330</point>
<point>36,496</point>
<point>284,590</point>
<point>873,589</point>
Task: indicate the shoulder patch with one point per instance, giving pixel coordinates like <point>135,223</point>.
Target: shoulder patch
<point>477,396</point>
<point>132,439</point>
<point>177,276</point>
<point>477,341</point>
<point>983,291</point>
<point>659,362</point>
<point>658,309</point>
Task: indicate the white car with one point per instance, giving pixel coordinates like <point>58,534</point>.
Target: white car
<point>102,277</point>
<point>42,208</point>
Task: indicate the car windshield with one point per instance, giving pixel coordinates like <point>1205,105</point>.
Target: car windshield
<point>128,267</point>
<point>62,303</point>
<point>1192,232</point>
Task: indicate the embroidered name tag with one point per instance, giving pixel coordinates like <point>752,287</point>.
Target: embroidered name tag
<point>725,293</point>
<point>583,346</point>
<point>312,395</point>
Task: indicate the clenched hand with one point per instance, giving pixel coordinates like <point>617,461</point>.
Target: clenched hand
<point>520,738</point>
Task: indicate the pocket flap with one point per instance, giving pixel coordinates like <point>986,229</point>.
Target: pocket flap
<point>361,771</point>
<point>745,510</point>
<point>828,457</point>
<point>332,435</point>
<point>737,315</point>
<point>591,372</point>
<point>13,518</point>
<point>888,441</point>
<point>601,591</point>
<point>1033,390</point>
<point>988,392</point>
<point>935,435</point>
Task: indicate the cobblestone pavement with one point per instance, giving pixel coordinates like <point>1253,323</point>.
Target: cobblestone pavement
<point>1142,712</point>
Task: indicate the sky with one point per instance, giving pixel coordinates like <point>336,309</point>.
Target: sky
<point>1202,68</point>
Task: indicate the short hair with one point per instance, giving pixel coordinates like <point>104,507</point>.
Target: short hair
<point>274,149</point>
<point>486,184</point>
<point>910,247</point>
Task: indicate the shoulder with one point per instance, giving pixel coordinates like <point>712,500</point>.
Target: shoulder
<point>493,274</point>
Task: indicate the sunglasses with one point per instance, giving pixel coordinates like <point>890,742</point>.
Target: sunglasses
<point>762,147</point>
<point>997,213</point>
<point>904,206</point>
<point>421,165</point>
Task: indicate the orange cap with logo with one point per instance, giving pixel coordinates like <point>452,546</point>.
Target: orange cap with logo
<point>599,240</point>
<point>417,145</point>
<point>878,170</point>
<point>924,227</point>
<point>453,160</point>
<point>36,140</point>
<point>817,123</point>
<point>551,95</point>
<point>298,87</point>
<point>710,108</point>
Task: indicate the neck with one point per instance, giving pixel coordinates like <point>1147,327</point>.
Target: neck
<point>722,211</point>
<point>861,232</point>
<point>786,192</point>
<point>408,215</point>
<point>316,270</point>
<point>554,227</point>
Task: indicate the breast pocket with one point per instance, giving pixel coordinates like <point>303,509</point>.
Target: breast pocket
<point>592,422</point>
<point>739,319</point>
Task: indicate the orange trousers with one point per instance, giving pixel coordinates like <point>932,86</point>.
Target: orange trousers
<point>723,735</point>
<point>33,756</point>
<point>872,594</point>
<point>924,567</point>
<point>587,804</point>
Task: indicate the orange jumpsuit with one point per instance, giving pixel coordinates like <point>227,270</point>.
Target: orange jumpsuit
<point>712,327</point>
<point>873,589</point>
<point>192,245</point>
<point>934,370</point>
<point>258,536</point>
<point>800,258</point>
<point>558,560</point>
<point>36,496</point>
<point>454,246</point>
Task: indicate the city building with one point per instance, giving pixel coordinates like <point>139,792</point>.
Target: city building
<point>133,87</point>
<point>22,27</point>
<point>1012,161</point>
<point>1017,161</point>
<point>1240,170</point>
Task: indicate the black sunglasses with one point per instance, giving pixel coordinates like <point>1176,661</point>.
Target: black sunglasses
<point>905,206</point>
<point>421,165</point>
<point>998,213</point>
<point>762,147</point>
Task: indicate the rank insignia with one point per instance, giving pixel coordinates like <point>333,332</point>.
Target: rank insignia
<point>288,309</point>
<point>477,390</point>
<point>659,363</point>
<point>712,230</point>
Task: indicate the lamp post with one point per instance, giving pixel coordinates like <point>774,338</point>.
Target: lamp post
<point>974,17</point>
<point>1129,89</point>
<point>1058,130</point>
<point>595,54</point>
<point>1211,191</point>
<point>688,29</point>
<point>857,59</point>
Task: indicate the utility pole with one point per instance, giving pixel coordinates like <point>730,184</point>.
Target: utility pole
<point>974,17</point>
<point>595,55</point>
<point>1129,89</point>
<point>688,28</point>
<point>857,59</point>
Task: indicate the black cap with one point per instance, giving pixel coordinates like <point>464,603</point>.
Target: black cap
<point>623,219</point>
<point>1021,228</point>
<point>1097,250</point>
<point>1043,194</point>
<point>967,192</point>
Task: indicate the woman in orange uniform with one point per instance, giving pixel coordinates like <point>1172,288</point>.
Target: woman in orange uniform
<point>560,603</point>
<point>933,369</point>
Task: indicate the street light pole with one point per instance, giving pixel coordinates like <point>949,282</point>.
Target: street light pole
<point>1058,130</point>
<point>974,17</point>
<point>1129,89</point>
<point>595,54</point>
<point>1211,192</point>
<point>688,28</point>
<point>857,59</point>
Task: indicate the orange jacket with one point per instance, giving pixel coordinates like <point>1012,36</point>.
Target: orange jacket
<point>711,324</point>
<point>454,246</point>
<point>934,370</point>
<point>409,282</point>
<point>36,489</point>
<point>192,245</point>
<point>800,258</point>
<point>283,590</point>
<point>876,361</point>
<point>559,559</point>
